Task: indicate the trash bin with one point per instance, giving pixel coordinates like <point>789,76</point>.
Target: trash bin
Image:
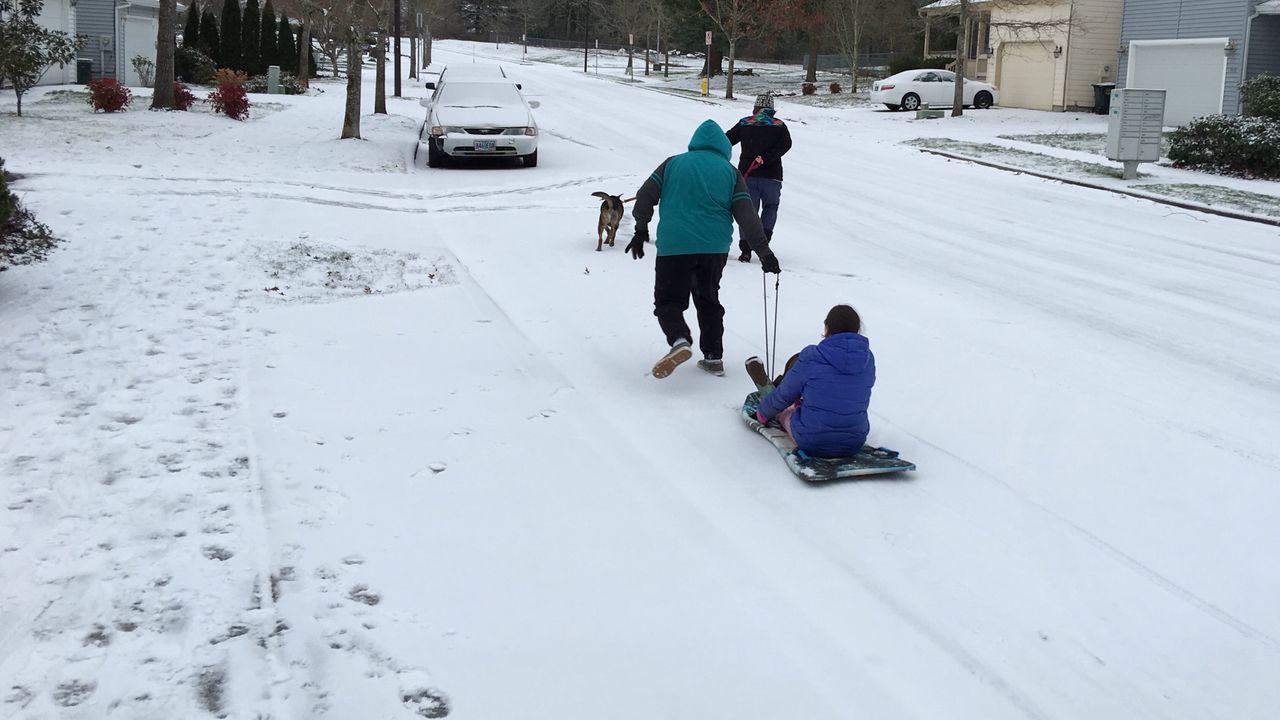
<point>84,71</point>
<point>1102,97</point>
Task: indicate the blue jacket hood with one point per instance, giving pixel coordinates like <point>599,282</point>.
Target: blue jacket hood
<point>709,136</point>
<point>847,352</point>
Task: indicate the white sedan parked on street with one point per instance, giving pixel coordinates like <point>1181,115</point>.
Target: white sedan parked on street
<point>478,119</point>
<point>936,88</point>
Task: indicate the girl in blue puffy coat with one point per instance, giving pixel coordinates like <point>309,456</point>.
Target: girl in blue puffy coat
<point>822,399</point>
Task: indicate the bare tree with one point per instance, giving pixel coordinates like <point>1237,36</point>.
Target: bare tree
<point>359,16</point>
<point>628,18</point>
<point>526,12</point>
<point>738,20</point>
<point>382,16</point>
<point>166,38</point>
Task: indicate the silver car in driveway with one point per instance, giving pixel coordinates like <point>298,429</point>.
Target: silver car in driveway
<point>478,119</point>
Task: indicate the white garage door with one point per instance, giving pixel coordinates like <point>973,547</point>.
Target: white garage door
<point>1026,75</point>
<point>1193,72</point>
<point>139,39</point>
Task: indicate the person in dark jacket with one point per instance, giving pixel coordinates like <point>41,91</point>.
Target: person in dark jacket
<point>765,139</point>
<point>701,196</point>
<point>822,399</point>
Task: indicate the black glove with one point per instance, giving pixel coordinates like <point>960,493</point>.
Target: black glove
<point>636,246</point>
<point>769,263</point>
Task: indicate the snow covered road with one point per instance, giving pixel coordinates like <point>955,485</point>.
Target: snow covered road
<point>294,430</point>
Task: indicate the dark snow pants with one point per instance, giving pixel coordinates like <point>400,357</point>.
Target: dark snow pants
<point>679,277</point>
<point>765,192</point>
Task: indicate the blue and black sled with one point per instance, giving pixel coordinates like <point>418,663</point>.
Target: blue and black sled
<point>870,461</point>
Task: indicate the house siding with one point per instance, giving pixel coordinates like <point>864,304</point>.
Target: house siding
<point>1091,52</point>
<point>1186,20</point>
<point>1048,12</point>
<point>96,19</point>
<point>1264,46</point>
<point>58,15</point>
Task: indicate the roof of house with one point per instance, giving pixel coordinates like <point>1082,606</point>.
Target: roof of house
<point>945,6</point>
<point>1271,7</point>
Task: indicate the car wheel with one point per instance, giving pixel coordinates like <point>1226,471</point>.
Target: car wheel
<point>530,160</point>
<point>435,158</point>
<point>982,100</point>
<point>910,102</point>
<point>895,108</point>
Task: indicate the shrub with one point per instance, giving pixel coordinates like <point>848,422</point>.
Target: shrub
<point>145,68</point>
<point>191,65</point>
<point>231,100</point>
<point>835,88</point>
<point>1249,147</point>
<point>109,95</point>
<point>182,97</point>
<point>1260,96</point>
<point>228,76</point>
<point>289,84</point>
<point>808,88</point>
<point>902,63</point>
<point>23,240</point>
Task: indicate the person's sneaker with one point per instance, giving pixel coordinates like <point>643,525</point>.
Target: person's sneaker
<point>757,372</point>
<point>745,256</point>
<point>669,362</point>
<point>715,367</point>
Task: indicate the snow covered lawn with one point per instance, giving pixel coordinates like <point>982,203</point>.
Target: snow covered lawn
<point>294,429</point>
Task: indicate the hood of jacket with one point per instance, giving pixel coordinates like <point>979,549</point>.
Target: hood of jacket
<point>709,136</point>
<point>847,352</point>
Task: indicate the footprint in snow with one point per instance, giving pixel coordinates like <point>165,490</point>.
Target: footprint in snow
<point>426,702</point>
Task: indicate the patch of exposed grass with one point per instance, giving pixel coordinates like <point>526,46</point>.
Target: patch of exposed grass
<point>1020,158</point>
<point>1217,196</point>
<point>1093,143</point>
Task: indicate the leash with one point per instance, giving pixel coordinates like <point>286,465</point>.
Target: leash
<point>754,164</point>
<point>772,352</point>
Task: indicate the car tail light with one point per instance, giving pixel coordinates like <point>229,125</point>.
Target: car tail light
<point>886,87</point>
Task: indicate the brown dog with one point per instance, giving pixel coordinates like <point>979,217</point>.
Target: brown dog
<point>610,217</point>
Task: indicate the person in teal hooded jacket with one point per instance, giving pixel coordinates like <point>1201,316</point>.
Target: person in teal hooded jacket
<point>701,195</point>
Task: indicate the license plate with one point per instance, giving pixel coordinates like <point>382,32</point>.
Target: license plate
<point>482,145</point>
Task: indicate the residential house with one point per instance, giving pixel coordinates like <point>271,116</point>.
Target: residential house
<point>1041,54</point>
<point>116,31</point>
<point>59,15</point>
<point>1199,51</point>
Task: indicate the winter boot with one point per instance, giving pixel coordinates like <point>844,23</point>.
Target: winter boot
<point>715,366</point>
<point>759,375</point>
<point>679,353</point>
<point>745,256</point>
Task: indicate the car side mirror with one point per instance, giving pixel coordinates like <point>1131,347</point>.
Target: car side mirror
<point>535,104</point>
<point>431,86</point>
<point>519,86</point>
<point>425,102</point>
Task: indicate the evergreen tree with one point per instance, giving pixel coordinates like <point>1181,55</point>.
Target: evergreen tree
<point>191,30</point>
<point>286,47</point>
<point>210,44</point>
<point>230,54</point>
<point>250,37</point>
<point>267,38</point>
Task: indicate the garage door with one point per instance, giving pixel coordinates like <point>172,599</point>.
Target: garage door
<point>1193,72</point>
<point>1025,77</point>
<point>139,39</point>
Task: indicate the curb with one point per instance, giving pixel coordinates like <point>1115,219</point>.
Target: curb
<point>1247,217</point>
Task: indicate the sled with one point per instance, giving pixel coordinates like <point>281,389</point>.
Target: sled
<point>869,461</point>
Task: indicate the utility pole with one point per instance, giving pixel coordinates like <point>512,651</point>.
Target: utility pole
<point>586,37</point>
<point>396,20</point>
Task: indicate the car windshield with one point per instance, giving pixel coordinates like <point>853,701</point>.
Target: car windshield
<point>479,95</point>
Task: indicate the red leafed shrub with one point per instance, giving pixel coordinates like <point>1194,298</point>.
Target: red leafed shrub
<point>182,97</point>
<point>230,100</point>
<point>109,95</point>
<point>835,88</point>
<point>808,88</point>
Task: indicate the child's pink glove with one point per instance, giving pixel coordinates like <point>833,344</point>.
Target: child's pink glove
<point>763,420</point>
